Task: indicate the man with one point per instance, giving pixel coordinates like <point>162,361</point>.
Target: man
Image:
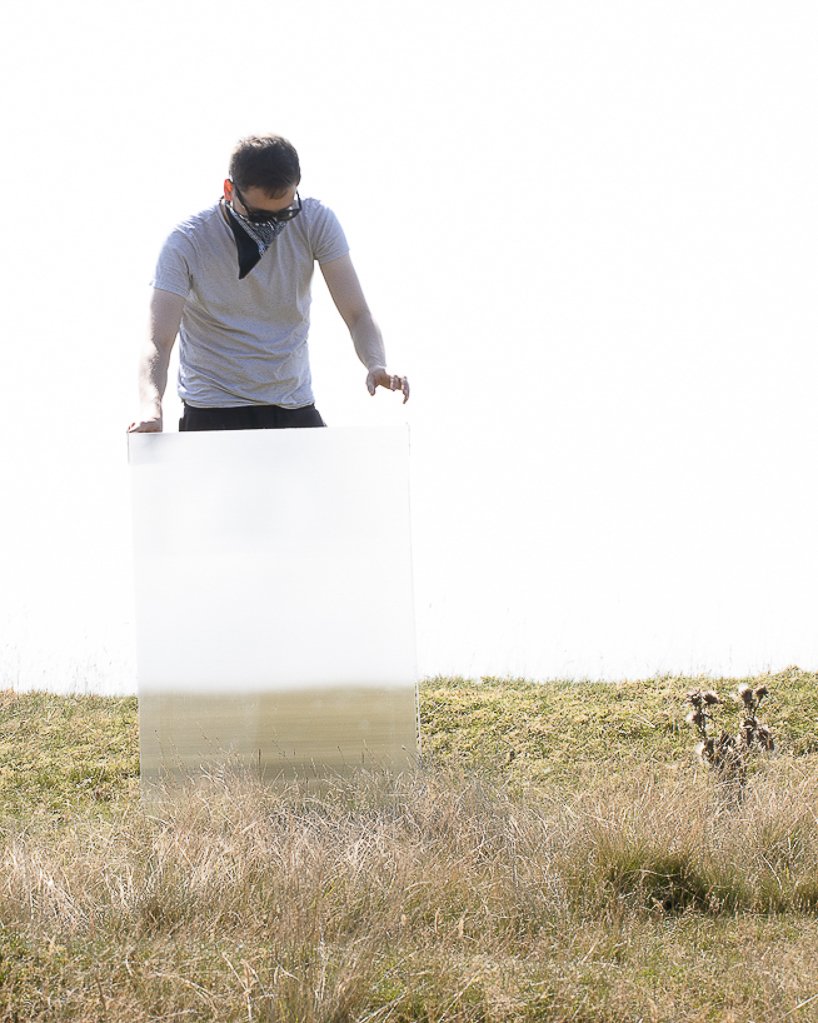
<point>234,283</point>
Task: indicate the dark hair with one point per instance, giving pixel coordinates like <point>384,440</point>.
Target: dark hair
<point>268,162</point>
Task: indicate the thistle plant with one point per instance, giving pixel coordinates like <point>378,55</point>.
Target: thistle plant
<point>728,755</point>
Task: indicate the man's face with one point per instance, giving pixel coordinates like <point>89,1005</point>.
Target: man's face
<point>254,200</point>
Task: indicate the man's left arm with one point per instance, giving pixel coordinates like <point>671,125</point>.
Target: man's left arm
<point>349,300</point>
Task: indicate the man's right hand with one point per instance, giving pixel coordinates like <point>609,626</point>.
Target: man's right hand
<point>153,425</point>
<point>166,314</point>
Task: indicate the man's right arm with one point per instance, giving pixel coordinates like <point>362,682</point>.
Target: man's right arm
<point>165,317</point>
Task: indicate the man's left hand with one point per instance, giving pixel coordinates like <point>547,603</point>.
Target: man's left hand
<point>378,377</point>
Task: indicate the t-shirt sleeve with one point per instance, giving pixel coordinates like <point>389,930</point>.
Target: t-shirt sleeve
<point>327,237</point>
<point>174,268</point>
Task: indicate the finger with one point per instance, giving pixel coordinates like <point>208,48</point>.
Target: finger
<point>405,389</point>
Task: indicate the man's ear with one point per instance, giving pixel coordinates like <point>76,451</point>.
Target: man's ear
<point>228,190</point>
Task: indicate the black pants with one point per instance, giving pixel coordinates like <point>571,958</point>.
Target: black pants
<point>249,417</point>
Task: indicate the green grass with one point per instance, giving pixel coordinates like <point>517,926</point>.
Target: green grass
<point>560,856</point>
<point>563,722</point>
<point>60,754</point>
<point>556,728</point>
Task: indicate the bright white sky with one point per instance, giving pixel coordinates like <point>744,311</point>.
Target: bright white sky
<point>587,230</point>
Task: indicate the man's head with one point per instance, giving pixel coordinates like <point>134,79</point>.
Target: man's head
<point>266,163</point>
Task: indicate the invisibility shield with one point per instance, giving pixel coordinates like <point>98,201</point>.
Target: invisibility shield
<point>274,610</point>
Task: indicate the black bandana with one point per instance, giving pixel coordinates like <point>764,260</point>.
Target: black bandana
<point>252,240</point>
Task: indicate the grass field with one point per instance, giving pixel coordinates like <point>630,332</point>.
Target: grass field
<point>559,856</point>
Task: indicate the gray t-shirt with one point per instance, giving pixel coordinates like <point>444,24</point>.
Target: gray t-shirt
<point>244,342</point>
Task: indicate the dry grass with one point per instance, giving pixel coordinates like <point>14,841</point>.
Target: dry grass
<point>637,896</point>
<point>559,858</point>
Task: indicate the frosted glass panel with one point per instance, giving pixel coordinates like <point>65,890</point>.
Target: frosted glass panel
<point>274,611</point>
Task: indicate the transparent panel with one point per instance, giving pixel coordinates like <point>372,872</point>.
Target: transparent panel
<point>274,610</point>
